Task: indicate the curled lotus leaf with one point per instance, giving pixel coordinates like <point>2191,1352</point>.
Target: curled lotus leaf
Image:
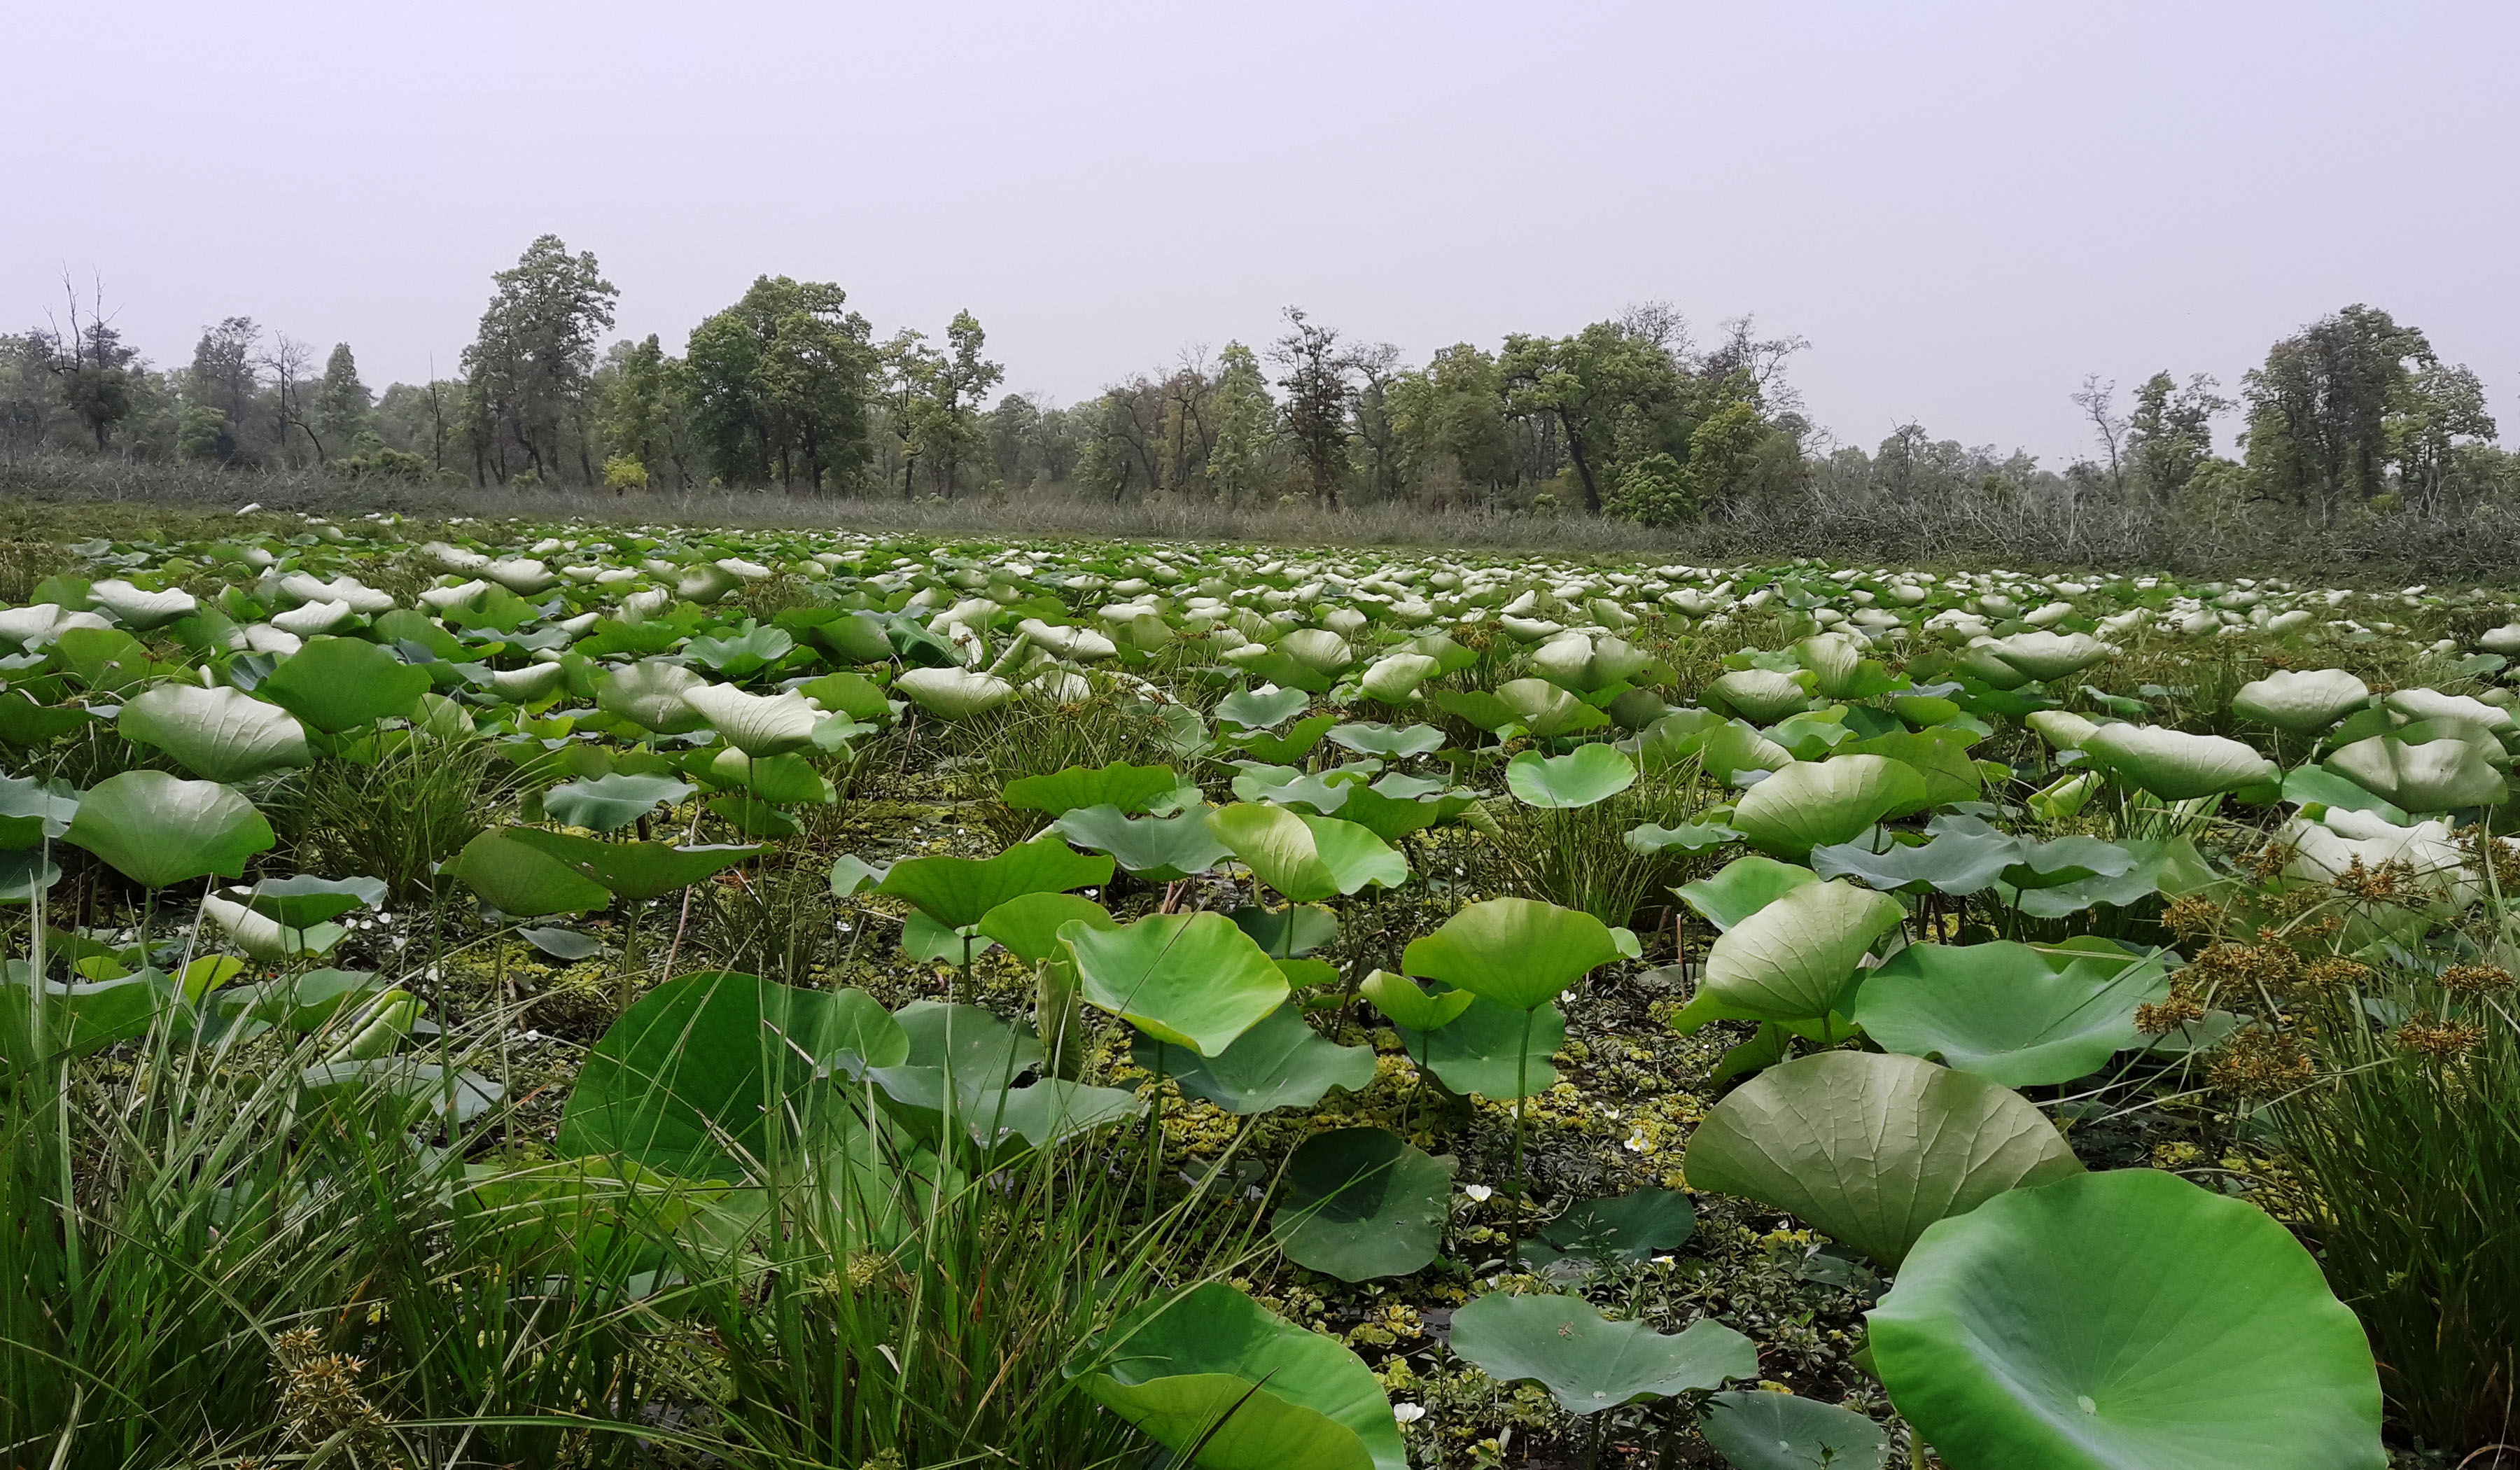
<point>2176,765</point>
<point>2301,701</point>
<point>1819,803</point>
<point>1798,957</point>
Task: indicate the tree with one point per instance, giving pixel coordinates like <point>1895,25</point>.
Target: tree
<point>960,382</point>
<point>2098,402</point>
<point>1237,464</point>
<point>1378,366</point>
<point>1318,397</point>
<point>2318,409</point>
<point>2440,411</point>
<point>2170,435</point>
<point>226,376</point>
<point>630,398</point>
<point>342,405</point>
<point>909,368</point>
<point>1449,423</point>
<point>288,362</point>
<point>1591,384</point>
<point>533,356</point>
<point>779,383</point>
<point>93,366</point>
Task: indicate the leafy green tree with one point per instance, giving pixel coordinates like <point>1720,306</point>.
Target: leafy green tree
<point>342,405</point>
<point>94,366</point>
<point>1601,381</point>
<point>957,387</point>
<point>779,385</point>
<point>226,376</point>
<point>1449,423</point>
<point>1653,490</point>
<point>2440,411</point>
<point>2318,409</point>
<point>909,369</point>
<point>1238,464</point>
<point>531,361</point>
<point>1726,452</point>
<point>1318,396</point>
<point>2170,435</point>
<point>630,401</point>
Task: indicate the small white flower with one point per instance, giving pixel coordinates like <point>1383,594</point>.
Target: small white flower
<point>1479,1193</point>
<point>1409,1413</point>
<point>533,1036</point>
<point>1637,1142</point>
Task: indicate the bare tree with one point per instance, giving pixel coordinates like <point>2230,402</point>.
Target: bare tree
<point>2098,402</point>
<point>288,361</point>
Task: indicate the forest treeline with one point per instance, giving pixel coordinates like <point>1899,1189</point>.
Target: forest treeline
<point>1633,418</point>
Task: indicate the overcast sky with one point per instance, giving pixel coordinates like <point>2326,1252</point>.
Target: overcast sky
<point>1965,208</point>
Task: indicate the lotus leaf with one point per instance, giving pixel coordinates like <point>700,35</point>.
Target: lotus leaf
<point>1393,678</point>
<point>309,899</point>
<point>1488,1051</point>
<point>1796,958</point>
<point>1761,696</point>
<point>1399,997</point>
<point>758,724</point>
<point>1629,1229</point>
<point>2300,703</point>
<point>1965,856</point>
<point>1547,711</point>
<point>608,803</point>
<point>340,683</point>
<point>156,830</point>
<point>2126,1320</point>
<point>1589,775</point>
<point>1028,924</point>
<point>1131,788</point>
<point>633,871</point>
<point>1696,837</point>
<point>1361,1203</point>
<point>2176,766</point>
<point>1588,1363</point>
<point>1818,803</point>
<point>1304,857</point>
<point>959,892</point>
<point>219,735</point>
<point>1185,979</point>
<point>2441,776</point>
<point>1280,1062</point>
<point>1214,1371</point>
<point>2049,656</point>
<point>1870,1149</point>
<point>1263,708</point>
<point>1391,741</point>
<point>650,694</point>
<point>1770,1431</point>
<point>520,878</point>
<point>1157,849</point>
<point>1290,932</point>
<point>1279,749</point>
<point>1746,885</point>
<point>1518,952</point>
<point>953,694</point>
<point>2005,1012</point>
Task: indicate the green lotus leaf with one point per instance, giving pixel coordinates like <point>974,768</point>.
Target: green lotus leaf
<point>1288,933</point>
<point>953,694</point>
<point>1796,958</point>
<point>1283,749</point>
<point>398,1092</point>
<point>1761,696</point>
<point>2005,1012</point>
<point>1819,803</point>
<point>1966,855</point>
<point>607,802</point>
<point>1870,1149</point>
<point>134,608</point>
<point>758,724</point>
<point>24,722</point>
<point>2422,704</point>
<point>1990,668</point>
<point>109,660</point>
<point>1547,711</point>
<point>565,945</point>
<point>1812,734</point>
<point>1262,708</point>
<point>1318,648</point>
<point>339,684</point>
<point>751,816</point>
<point>1395,743</point>
<point>650,694</point>
<point>1214,1371</point>
<point>1484,1051</point>
<point>785,779</point>
<point>519,879</point>
<point>262,939</point>
<point>1586,776</point>
<point>1746,885</point>
<point>854,637</point>
<point>295,903</point>
<point>2049,656</point>
<point>1028,924</point>
<point>1280,1062</point>
<point>1361,1203</point>
<point>1588,1363</point>
<point>2126,1320</point>
<point>79,1018</point>
<point>633,871</point>
<point>24,874</point>
<point>1393,678</point>
<point>2175,765</point>
<point>1941,756</point>
<point>710,1074</point>
<point>1304,857</point>
<point>1518,952</point>
<point>1577,662</point>
<point>1187,979</point>
<point>959,892</point>
<point>156,830</point>
<point>924,938</point>
<point>1628,1230</point>
<point>1734,748</point>
<point>1840,669</point>
<point>1771,1431</point>
<point>2169,865</point>
<point>2441,776</point>
<point>2300,703</point>
<point>1397,805</point>
<point>2305,785</point>
<point>219,735</point>
<point>1131,788</point>
<point>980,1048</point>
<point>748,652</point>
<point>1696,837</point>
<point>1676,736</point>
<point>1399,997</point>
<point>852,695</point>
<point>1482,709</point>
<point>1157,849</point>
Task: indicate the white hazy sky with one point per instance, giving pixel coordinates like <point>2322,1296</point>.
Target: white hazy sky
<point>1965,206</point>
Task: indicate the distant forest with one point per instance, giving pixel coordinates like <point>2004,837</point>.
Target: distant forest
<point>1634,417</point>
